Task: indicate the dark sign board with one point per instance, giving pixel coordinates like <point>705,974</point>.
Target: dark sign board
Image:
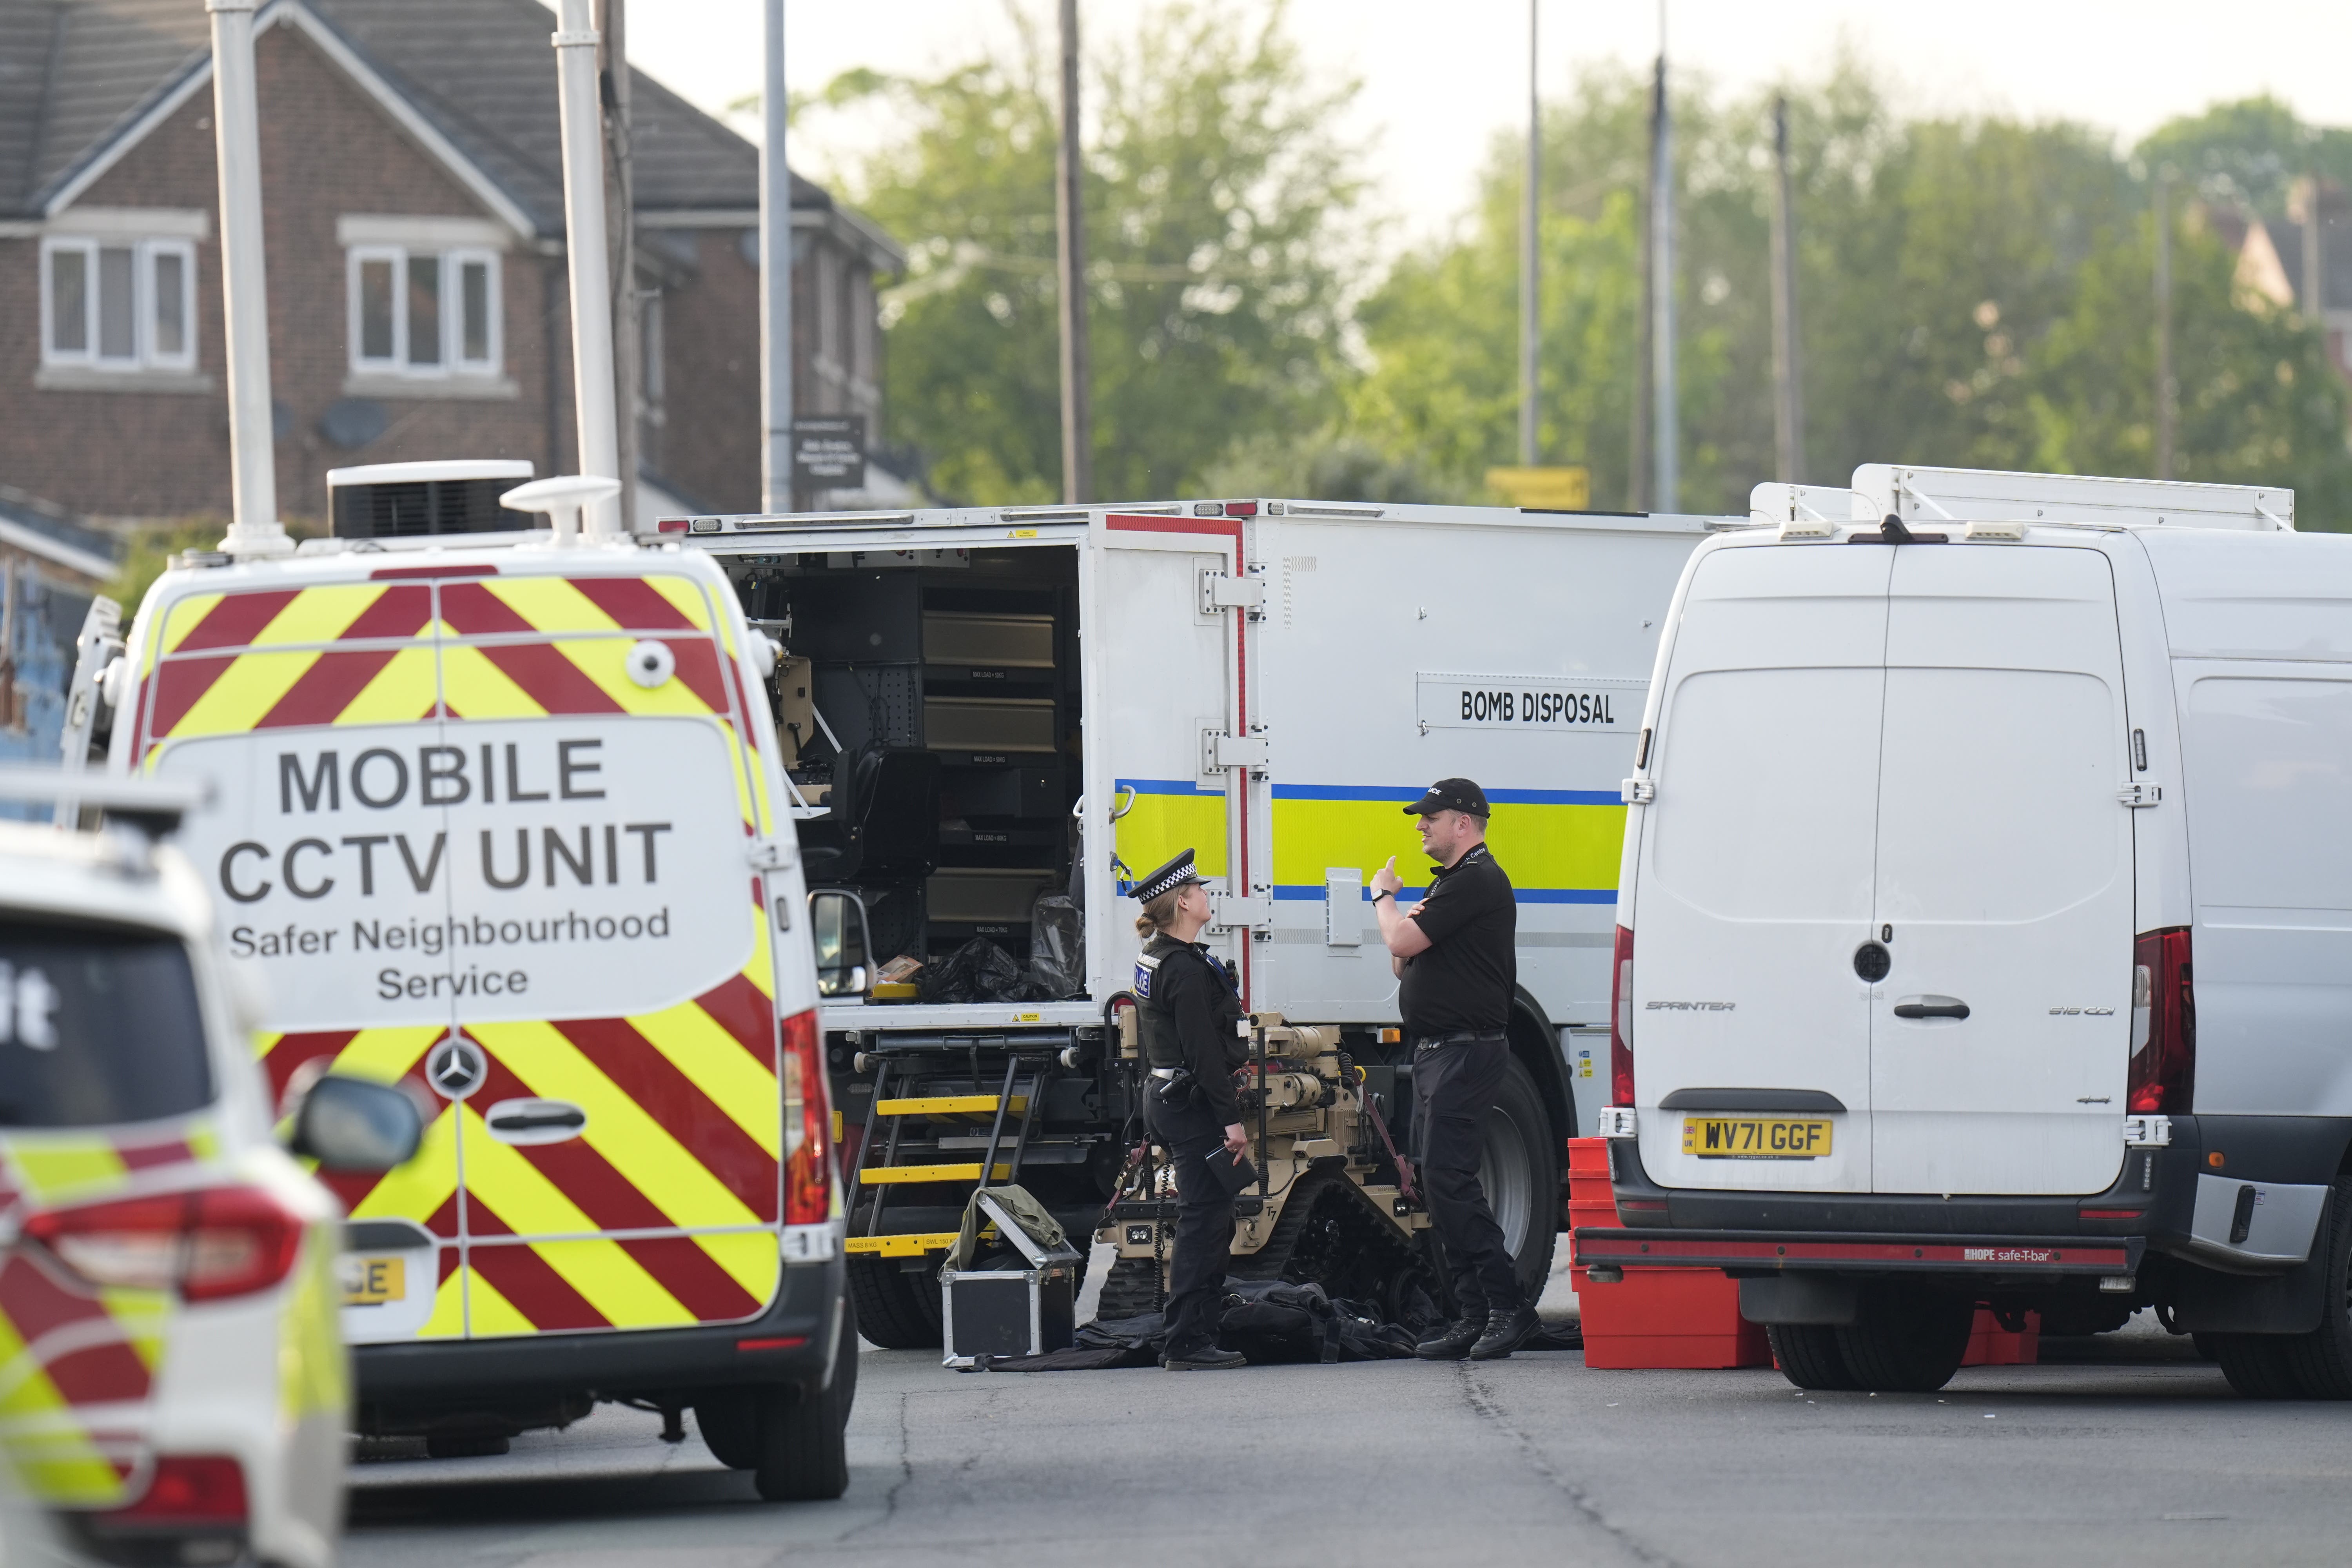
<point>829,452</point>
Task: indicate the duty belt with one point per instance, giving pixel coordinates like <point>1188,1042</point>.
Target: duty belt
<point>1430,1042</point>
<point>1168,1072</point>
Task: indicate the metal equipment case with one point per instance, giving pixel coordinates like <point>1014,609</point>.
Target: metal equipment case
<point>1010,1311</point>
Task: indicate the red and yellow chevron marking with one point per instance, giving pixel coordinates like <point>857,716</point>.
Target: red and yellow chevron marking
<point>76,1370</point>
<point>76,1364</point>
<point>424,1190</point>
<point>682,1158</point>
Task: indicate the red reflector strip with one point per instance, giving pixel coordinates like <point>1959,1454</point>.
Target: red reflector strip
<point>672,525</point>
<point>477,569</point>
<point>190,1489</point>
<point>1646,1206</point>
<point>1593,1246</point>
<point>783,1342</point>
<point>2113,1214</point>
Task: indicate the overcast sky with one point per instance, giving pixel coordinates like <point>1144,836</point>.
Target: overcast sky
<point>1439,79</point>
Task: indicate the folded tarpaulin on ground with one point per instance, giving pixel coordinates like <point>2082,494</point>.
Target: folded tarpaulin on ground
<point>1269,1322</point>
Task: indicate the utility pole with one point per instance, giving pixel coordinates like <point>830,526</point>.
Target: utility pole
<point>254,527</point>
<point>776,280</point>
<point>2167,388</point>
<point>1069,213</point>
<point>2315,279</point>
<point>1788,380</point>
<point>1665,423</point>
<point>1637,467</point>
<point>585,236</point>
<point>621,225</point>
<point>1530,293</point>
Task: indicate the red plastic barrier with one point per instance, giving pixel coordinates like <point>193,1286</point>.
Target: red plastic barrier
<point>1653,1317</point>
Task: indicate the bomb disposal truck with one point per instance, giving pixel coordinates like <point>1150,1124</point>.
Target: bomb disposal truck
<point>499,815</point>
<point>995,719</point>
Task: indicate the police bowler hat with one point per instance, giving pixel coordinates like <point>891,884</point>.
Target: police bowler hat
<point>1452,794</point>
<point>1176,874</point>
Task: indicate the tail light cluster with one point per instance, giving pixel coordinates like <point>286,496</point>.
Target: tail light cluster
<point>2163,1024</point>
<point>808,1124</point>
<point>1620,1022</point>
<point>187,1490</point>
<point>208,1245</point>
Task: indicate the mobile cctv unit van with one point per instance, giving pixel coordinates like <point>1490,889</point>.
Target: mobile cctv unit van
<point>1986,924</point>
<point>499,817</point>
<point>988,712</point>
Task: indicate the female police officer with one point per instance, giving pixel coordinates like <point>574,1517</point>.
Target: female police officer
<point>1187,1011</point>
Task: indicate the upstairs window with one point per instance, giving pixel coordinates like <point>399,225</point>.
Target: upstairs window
<point>417,312</point>
<point>119,304</point>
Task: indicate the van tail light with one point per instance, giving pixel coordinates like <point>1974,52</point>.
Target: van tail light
<point>2163,1024</point>
<point>208,1245</point>
<point>808,1124</point>
<point>1620,1023</point>
<point>187,1489</point>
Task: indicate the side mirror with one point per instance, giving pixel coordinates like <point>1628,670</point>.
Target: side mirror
<point>351,1125</point>
<point>837,926</point>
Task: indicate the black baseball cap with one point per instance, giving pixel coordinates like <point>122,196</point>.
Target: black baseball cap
<point>1452,794</point>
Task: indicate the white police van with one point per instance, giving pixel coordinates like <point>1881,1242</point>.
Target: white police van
<point>1985,924</point>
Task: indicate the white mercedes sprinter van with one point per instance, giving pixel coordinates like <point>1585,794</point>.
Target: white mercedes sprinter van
<point>1985,925</point>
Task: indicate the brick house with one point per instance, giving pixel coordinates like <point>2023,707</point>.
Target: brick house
<point>413,205</point>
<point>2272,260</point>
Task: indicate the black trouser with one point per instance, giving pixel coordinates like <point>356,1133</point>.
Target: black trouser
<point>1204,1226</point>
<point>1453,1093</point>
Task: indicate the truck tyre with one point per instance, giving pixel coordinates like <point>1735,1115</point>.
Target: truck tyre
<point>2320,1363</point>
<point>896,1309</point>
<point>1518,1170</point>
<point>1808,1356</point>
<point>804,1454</point>
<point>2256,1364</point>
<point>1906,1339</point>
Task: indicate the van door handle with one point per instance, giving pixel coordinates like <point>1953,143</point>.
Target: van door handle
<point>1931,1007</point>
<point>526,1121</point>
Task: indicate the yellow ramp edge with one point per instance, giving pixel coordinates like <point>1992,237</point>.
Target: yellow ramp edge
<point>884,1175</point>
<point>946,1105</point>
<point>902,1246</point>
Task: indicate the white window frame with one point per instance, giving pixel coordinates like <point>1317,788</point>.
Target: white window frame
<point>144,354</point>
<point>451,365</point>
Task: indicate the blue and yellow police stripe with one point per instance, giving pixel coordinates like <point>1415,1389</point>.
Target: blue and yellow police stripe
<point>1558,845</point>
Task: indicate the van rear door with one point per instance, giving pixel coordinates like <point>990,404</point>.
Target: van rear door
<point>1755,881</point>
<point>2004,873</point>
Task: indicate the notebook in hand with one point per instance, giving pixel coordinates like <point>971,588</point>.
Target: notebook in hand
<point>1233,1171</point>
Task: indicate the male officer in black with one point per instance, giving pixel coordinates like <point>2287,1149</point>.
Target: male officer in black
<point>1187,1010</point>
<point>1456,965</point>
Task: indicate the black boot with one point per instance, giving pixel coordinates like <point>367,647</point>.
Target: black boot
<point>1505,1332</point>
<point>1454,1342</point>
<point>1202,1358</point>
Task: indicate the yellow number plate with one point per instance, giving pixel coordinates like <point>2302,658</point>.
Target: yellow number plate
<point>374,1281</point>
<point>1755,1137</point>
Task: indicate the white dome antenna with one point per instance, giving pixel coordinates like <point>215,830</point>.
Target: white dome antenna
<point>564,497</point>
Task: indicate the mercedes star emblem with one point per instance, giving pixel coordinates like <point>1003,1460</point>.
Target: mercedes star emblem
<point>456,1069</point>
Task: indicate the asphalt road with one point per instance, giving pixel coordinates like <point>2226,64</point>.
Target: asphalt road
<point>2142,1456</point>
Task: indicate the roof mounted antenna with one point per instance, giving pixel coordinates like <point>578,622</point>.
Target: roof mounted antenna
<point>1892,527</point>
<point>255,529</point>
<point>565,497</point>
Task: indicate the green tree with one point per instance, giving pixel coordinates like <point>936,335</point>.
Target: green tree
<point>1975,292</point>
<point>1220,252</point>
